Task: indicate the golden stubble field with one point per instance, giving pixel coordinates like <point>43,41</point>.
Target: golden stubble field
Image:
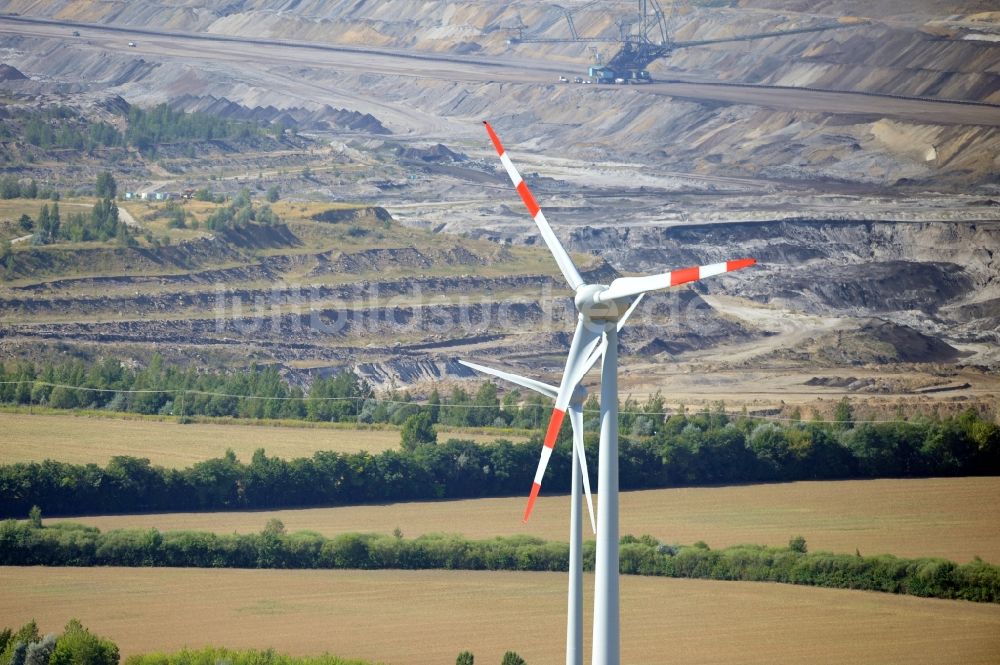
<point>955,518</point>
<point>84,440</point>
<point>427,617</point>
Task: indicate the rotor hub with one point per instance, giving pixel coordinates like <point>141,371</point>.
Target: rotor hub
<point>598,312</point>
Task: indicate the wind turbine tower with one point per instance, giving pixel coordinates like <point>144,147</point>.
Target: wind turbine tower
<point>601,311</point>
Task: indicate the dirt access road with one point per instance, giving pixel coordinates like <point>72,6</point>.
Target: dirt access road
<point>398,62</point>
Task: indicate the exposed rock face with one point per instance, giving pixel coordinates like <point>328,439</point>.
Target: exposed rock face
<point>916,291</point>
<point>938,281</point>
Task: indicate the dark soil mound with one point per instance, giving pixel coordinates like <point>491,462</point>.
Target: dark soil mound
<point>8,73</point>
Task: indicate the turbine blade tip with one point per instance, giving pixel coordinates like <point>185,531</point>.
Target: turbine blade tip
<point>535,487</point>
<point>740,263</point>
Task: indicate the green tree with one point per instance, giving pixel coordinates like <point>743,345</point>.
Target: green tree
<point>418,430</point>
<point>486,406</point>
<point>511,658</point>
<point>10,187</point>
<point>27,634</point>
<point>39,653</point>
<point>78,646</point>
<point>465,658</point>
<point>273,193</point>
<point>46,227</point>
<point>106,187</point>
<point>26,223</point>
<point>798,544</point>
<point>434,405</point>
<point>35,517</point>
<point>843,415</point>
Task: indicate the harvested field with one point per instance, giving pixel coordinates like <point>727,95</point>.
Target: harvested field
<point>429,616</point>
<point>83,440</point>
<point>955,518</point>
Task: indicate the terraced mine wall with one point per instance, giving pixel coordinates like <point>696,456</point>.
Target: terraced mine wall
<point>921,284</point>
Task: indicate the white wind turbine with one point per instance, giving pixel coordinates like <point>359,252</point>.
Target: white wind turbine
<point>574,616</point>
<point>581,477</point>
<point>602,310</point>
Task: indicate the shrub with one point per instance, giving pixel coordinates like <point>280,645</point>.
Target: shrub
<point>418,430</point>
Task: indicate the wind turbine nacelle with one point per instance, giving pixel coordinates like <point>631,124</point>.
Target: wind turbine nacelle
<point>592,310</point>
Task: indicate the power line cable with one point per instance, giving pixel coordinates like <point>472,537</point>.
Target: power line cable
<point>452,405</point>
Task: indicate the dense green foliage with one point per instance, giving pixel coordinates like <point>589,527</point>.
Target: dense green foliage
<point>148,128</point>
<point>12,187</point>
<point>63,128</point>
<point>78,646</point>
<point>657,450</point>
<point>456,469</point>
<point>58,127</point>
<point>69,544</point>
<point>418,430</point>
<point>75,646</point>
<point>241,212</point>
<point>183,391</point>
<point>100,224</point>
<point>218,656</point>
<point>106,187</point>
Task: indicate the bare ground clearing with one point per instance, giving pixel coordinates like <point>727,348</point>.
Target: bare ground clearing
<point>954,518</point>
<point>224,49</point>
<point>421,617</point>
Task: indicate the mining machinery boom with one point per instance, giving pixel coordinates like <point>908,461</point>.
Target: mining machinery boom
<point>648,38</point>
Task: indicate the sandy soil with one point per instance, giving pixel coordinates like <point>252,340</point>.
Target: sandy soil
<point>270,53</point>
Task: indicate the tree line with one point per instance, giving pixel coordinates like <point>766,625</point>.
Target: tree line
<point>67,544</point>
<point>63,128</point>
<point>74,646</point>
<point>13,187</point>
<point>657,450</point>
<point>427,471</point>
<point>218,656</point>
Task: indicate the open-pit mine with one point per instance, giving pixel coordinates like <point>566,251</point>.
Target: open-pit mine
<point>860,165</point>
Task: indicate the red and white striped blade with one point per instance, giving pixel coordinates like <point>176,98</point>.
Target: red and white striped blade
<point>585,340</point>
<point>624,287</point>
<point>562,257</point>
<point>551,434</point>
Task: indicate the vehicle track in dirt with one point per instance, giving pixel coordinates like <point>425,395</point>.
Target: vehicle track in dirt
<point>399,62</point>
